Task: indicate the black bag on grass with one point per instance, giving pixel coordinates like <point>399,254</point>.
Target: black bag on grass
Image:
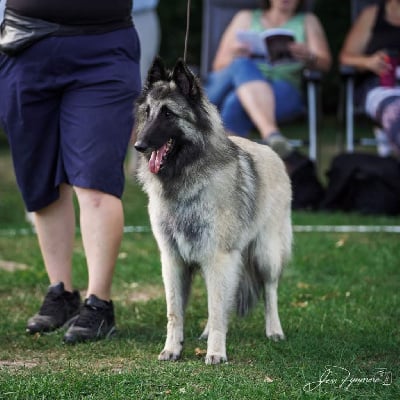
<point>364,183</point>
<point>307,189</point>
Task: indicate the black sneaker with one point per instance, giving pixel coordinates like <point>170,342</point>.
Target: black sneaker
<point>59,309</point>
<point>96,321</point>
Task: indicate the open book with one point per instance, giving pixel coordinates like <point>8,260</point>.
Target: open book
<point>272,43</point>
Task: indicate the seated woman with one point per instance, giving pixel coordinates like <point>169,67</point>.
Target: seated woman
<point>249,92</point>
<point>373,40</point>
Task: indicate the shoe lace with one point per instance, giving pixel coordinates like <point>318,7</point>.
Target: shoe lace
<point>89,317</point>
<point>51,304</point>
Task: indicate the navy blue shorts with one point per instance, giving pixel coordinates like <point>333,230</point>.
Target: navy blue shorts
<point>66,106</point>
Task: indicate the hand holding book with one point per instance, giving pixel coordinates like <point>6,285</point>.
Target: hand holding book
<point>302,53</point>
<point>273,44</point>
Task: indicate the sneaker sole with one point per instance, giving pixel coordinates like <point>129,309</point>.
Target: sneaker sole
<point>66,325</point>
<point>110,334</point>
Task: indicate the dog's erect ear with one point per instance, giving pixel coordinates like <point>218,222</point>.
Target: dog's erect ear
<point>185,80</point>
<point>157,72</point>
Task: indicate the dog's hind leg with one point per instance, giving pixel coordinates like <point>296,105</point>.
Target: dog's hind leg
<point>221,280</point>
<point>204,334</point>
<point>177,282</point>
<point>269,260</point>
<point>273,326</point>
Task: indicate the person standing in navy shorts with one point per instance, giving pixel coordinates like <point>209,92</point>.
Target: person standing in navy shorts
<point>66,108</point>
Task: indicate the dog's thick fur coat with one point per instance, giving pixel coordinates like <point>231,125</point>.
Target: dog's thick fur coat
<point>218,204</point>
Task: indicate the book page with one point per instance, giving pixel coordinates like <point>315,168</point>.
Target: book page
<point>272,43</point>
<point>253,40</point>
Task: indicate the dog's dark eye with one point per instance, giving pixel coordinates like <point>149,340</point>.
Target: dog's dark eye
<point>147,111</point>
<point>166,112</point>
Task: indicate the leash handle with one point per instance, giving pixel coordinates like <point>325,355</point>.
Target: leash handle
<point>187,30</point>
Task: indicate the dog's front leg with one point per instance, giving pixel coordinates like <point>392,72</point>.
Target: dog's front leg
<point>221,280</point>
<point>177,286</point>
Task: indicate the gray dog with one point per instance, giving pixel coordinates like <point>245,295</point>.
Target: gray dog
<point>218,204</point>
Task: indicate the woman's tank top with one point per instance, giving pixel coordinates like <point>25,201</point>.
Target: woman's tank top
<point>385,36</point>
<point>290,72</point>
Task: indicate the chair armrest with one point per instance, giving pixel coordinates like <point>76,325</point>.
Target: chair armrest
<point>312,75</point>
<point>347,71</point>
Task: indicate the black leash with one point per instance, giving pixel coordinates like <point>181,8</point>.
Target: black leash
<point>187,30</point>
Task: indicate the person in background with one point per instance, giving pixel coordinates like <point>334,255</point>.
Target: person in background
<point>248,91</point>
<point>147,25</point>
<point>373,46</point>
<point>66,108</point>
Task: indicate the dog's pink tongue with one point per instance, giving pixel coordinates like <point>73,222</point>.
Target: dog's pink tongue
<point>156,159</point>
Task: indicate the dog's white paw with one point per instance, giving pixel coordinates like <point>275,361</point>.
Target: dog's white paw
<point>167,355</point>
<point>273,330</point>
<point>276,336</point>
<point>213,359</point>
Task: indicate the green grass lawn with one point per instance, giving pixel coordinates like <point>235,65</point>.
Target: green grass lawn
<point>339,305</point>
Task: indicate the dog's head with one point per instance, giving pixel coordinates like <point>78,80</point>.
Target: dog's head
<point>172,118</point>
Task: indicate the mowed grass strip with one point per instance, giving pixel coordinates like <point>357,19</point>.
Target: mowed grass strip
<point>339,306</point>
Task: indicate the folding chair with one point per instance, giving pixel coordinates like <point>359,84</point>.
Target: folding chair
<point>216,16</point>
<point>349,76</point>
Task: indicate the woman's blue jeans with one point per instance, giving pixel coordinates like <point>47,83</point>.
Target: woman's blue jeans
<point>221,90</point>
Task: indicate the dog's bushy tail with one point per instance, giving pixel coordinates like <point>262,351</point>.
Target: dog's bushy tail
<point>251,284</point>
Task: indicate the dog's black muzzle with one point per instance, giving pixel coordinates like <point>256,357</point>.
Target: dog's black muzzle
<point>141,146</point>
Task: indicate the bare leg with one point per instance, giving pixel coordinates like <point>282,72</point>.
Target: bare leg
<point>101,220</point>
<point>258,100</point>
<point>55,226</point>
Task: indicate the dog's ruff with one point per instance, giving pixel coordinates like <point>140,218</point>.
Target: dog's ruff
<point>216,203</point>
